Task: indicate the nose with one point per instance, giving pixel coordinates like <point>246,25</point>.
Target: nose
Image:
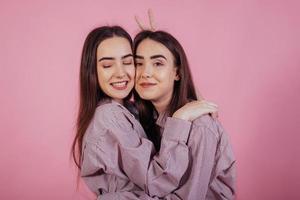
<point>146,71</point>
<point>120,72</point>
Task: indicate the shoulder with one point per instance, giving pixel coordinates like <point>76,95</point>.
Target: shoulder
<point>108,118</point>
<point>112,125</point>
<point>210,125</point>
<point>113,115</point>
<point>108,110</point>
<point>204,120</point>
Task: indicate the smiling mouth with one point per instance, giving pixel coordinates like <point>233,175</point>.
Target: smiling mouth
<point>121,85</point>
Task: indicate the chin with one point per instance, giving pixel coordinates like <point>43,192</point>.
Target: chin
<point>147,97</point>
<point>120,96</point>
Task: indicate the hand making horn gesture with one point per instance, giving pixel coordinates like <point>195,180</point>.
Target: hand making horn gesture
<point>151,21</point>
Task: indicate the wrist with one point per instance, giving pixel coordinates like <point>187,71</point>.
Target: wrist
<point>180,115</point>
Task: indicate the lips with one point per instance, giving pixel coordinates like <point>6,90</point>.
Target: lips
<point>120,85</point>
<point>147,84</point>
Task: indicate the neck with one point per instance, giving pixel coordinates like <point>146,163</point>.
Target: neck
<point>120,101</point>
<point>162,104</point>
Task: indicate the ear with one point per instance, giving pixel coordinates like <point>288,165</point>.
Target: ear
<point>177,77</point>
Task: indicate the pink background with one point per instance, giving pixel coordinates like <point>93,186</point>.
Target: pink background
<point>245,56</point>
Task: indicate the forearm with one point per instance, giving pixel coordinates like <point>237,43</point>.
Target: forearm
<point>170,164</point>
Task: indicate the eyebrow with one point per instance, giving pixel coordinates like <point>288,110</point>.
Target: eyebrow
<point>139,57</point>
<point>111,58</point>
<point>106,58</point>
<point>152,57</point>
<point>158,56</point>
<point>126,56</point>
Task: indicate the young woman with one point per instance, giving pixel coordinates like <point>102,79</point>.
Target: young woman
<point>115,158</point>
<point>164,84</point>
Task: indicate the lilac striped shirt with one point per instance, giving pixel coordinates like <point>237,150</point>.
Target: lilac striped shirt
<point>212,169</point>
<point>194,163</point>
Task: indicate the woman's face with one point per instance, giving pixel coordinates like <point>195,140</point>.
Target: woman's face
<point>115,67</point>
<point>155,72</point>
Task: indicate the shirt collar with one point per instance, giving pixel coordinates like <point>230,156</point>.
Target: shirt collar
<point>110,100</point>
<point>160,119</point>
<point>104,101</point>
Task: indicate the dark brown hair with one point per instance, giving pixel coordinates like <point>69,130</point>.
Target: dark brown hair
<point>90,92</point>
<point>183,92</point>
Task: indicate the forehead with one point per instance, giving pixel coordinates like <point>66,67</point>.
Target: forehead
<point>150,47</point>
<point>114,47</point>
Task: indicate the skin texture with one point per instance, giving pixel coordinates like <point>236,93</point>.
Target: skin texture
<point>115,68</point>
<point>155,73</point>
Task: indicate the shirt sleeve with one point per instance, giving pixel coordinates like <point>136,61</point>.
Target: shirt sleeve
<point>212,173</point>
<point>203,145</point>
<point>169,165</point>
<point>104,181</point>
<point>224,173</point>
<point>116,159</point>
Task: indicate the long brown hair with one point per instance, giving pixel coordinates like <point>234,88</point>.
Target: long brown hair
<point>90,92</point>
<point>183,91</point>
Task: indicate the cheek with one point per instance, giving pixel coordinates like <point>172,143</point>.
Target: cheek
<point>102,83</point>
<point>167,77</point>
<point>103,77</point>
<point>137,73</point>
<point>100,75</point>
<point>131,72</point>
<point>163,75</point>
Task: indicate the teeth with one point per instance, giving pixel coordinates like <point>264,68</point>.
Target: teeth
<point>120,84</point>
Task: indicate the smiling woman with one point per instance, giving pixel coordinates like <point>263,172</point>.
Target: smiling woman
<point>155,73</point>
<point>163,84</point>
<point>115,67</point>
<point>110,148</point>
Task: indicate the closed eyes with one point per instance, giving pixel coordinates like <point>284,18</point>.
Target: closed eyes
<point>106,66</point>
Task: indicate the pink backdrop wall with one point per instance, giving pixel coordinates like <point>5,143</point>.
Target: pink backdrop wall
<point>245,56</point>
